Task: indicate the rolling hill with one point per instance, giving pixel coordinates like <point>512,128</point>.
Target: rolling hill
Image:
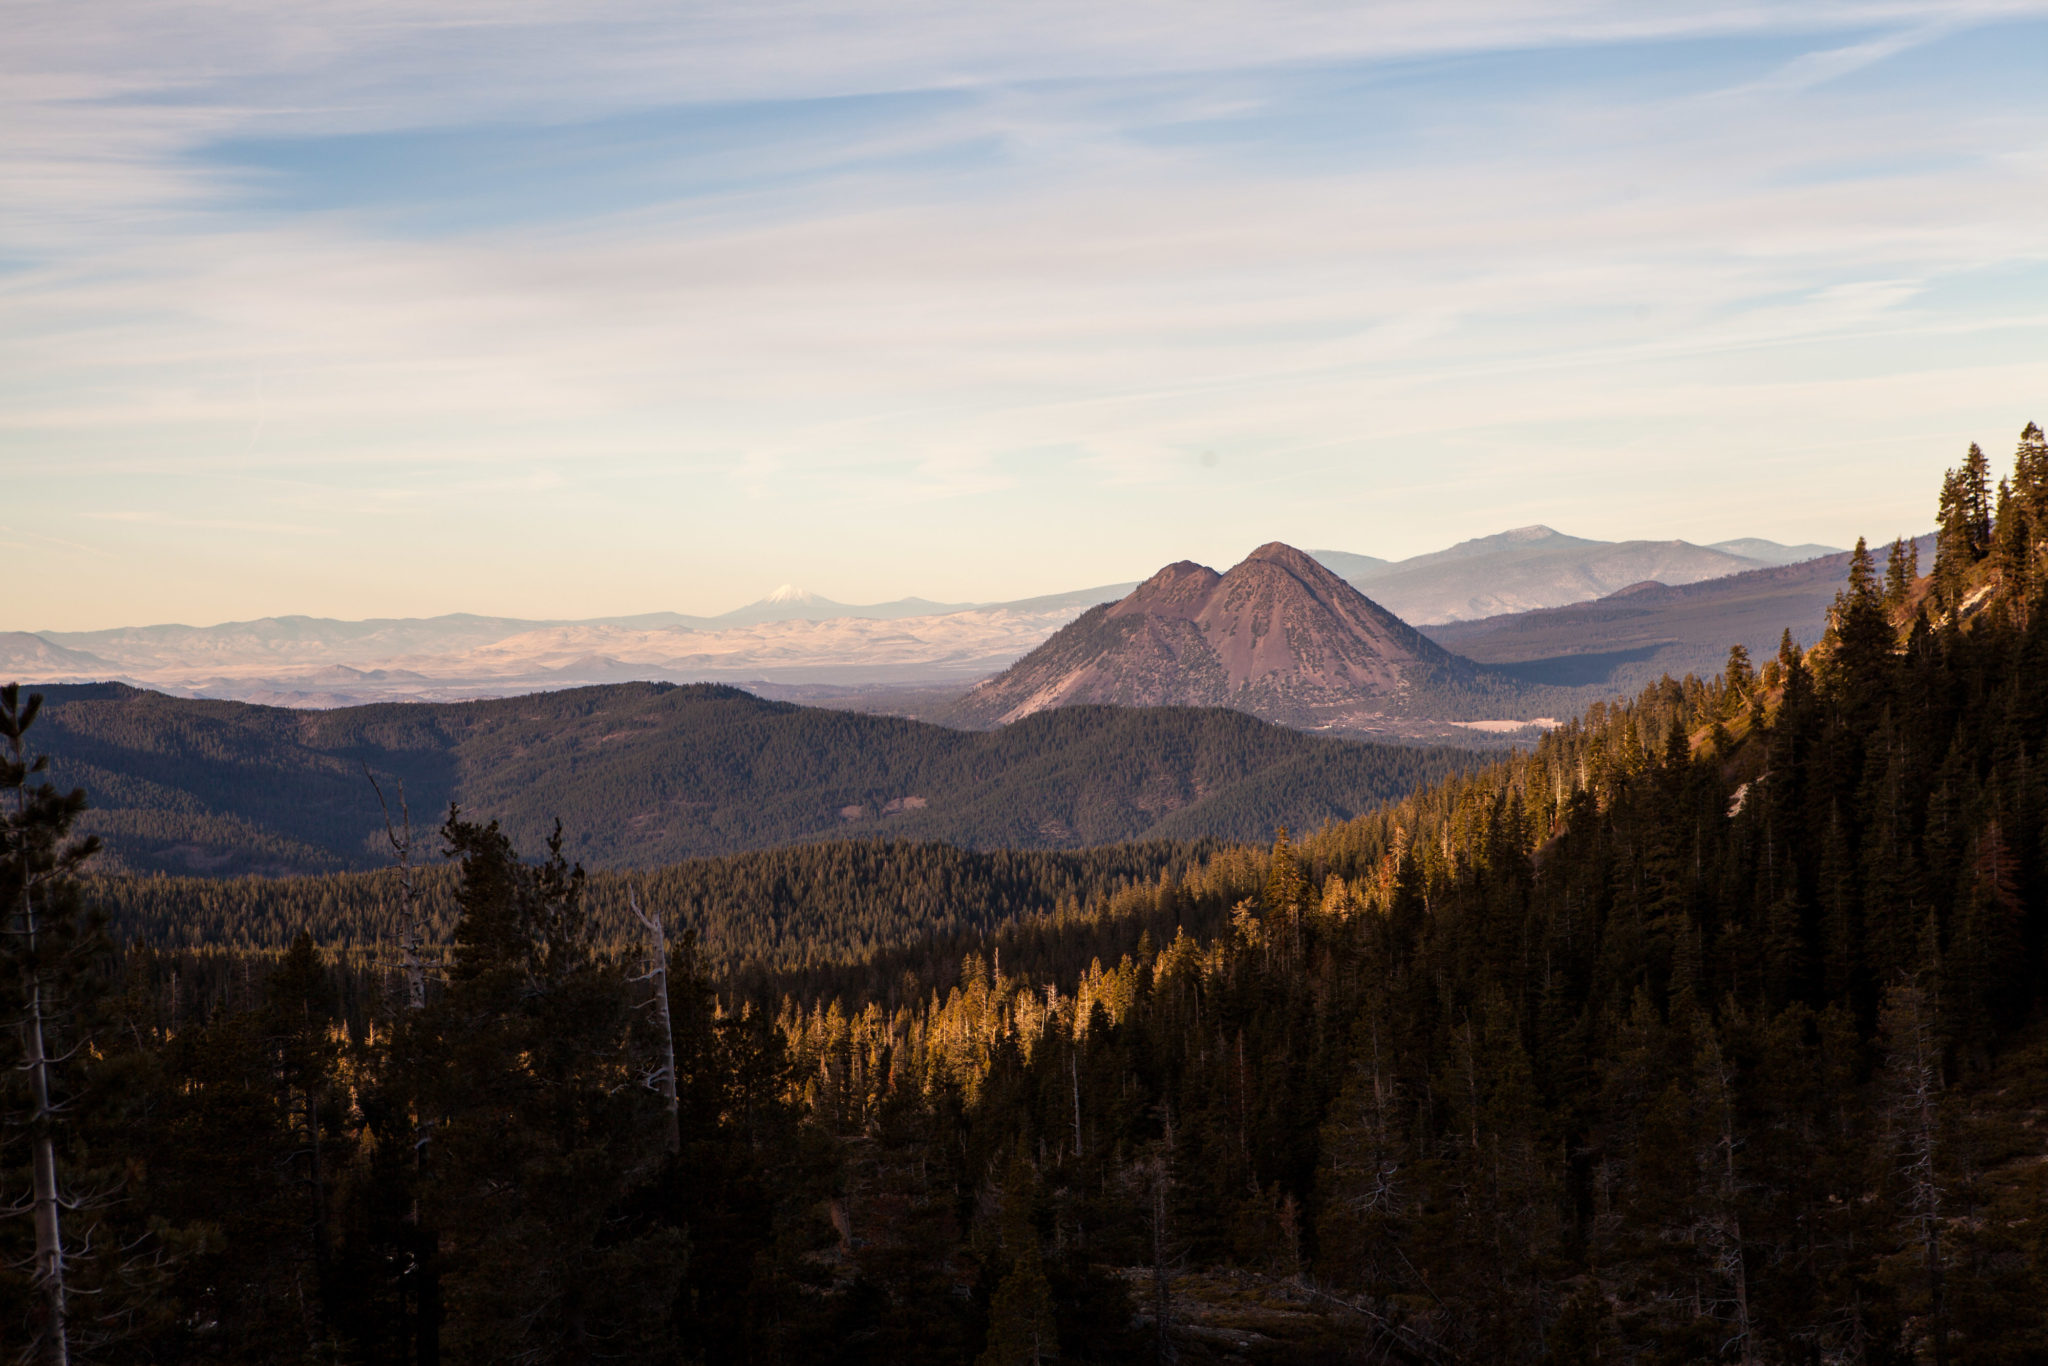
<point>1774,552</point>
<point>643,774</point>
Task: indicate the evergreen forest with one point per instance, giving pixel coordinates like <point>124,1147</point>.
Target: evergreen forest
<point>1714,1027</point>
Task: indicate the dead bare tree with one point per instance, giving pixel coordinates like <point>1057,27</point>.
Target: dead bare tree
<point>1722,1225</point>
<point>47,944</point>
<point>1158,1176</point>
<point>664,1077</point>
<point>1074,1074</point>
<point>1913,1061</point>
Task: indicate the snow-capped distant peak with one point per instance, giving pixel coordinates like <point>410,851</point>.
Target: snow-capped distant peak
<point>789,592</point>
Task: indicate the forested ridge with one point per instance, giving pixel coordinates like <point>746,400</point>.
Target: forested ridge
<point>1711,1029</point>
<point>651,773</point>
<point>770,910</point>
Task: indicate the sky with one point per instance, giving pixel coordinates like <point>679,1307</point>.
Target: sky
<point>559,309</point>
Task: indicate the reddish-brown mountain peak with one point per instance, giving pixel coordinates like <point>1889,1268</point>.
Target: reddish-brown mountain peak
<point>1275,563</point>
<point>1279,636</point>
<point>1179,590</point>
<point>1299,563</point>
<point>1281,551</point>
<point>1179,573</point>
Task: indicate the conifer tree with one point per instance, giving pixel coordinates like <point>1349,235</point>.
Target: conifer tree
<point>297,1018</point>
<point>1861,635</point>
<point>1977,499</point>
<point>2030,498</point>
<point>1736,681</point>
<point>1963,526</point>
<point>542,1134</point>
<point>1021,1330</point>
<point>52,948</point>
<point>1902,567</point>
<point>1283,894</point>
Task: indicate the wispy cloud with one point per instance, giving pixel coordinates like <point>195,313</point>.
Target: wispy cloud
<point>162,519</point>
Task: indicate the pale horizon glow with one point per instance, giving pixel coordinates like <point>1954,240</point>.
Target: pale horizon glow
<point>569,311</point>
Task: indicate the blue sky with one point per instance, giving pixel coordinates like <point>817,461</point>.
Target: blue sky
<point>572,310</point>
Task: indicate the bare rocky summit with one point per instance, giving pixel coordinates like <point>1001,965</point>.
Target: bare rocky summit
<point>1280,636</point>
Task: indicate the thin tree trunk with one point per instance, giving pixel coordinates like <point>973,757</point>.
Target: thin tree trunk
<point>425,1243</point>
<point>1732,1254</point>
<point>1162,1298</point>
<point>1916,1062</point>
<point>47,1204</point>
<point>1162,1295</point>
<point>410,930</point>
<point>657,973</point>
<point>49,1275</point>
<point>1074,1069</point>
<point>318,1173</point>
<point>1726,1223</point>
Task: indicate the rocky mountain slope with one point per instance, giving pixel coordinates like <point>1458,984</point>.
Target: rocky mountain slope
<point>1279,636</point>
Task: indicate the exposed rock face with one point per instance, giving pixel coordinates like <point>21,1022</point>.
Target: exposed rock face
<point>1279,636</point>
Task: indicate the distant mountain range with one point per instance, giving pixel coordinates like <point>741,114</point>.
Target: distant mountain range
<point>310,661</point>
<point>1535,567</point>
<point>1770,552</point>
<point>1618,643</point>
<point>644,774</point>
<point>791,638</point>
<point>1280,636</point>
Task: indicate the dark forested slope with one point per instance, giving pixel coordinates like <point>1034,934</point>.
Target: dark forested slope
<point>1714,1029</point>
<point>642,774</point>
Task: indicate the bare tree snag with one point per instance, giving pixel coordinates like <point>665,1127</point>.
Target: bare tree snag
<point>38,858</point>
<point>1914,1062</point>
<point>49,1272</point>
<point>1159,1174</point>
<point>664,1078</point>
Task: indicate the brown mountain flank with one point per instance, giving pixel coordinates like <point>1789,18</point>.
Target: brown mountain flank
<point>1279,636</point>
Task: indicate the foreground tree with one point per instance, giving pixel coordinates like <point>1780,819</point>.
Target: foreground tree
<point>545,1150</point>
<point>52,947</point>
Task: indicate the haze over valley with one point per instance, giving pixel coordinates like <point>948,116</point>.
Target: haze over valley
<point>794,637</point>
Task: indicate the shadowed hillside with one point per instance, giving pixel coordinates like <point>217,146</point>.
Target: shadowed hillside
<point>1633,637</point>
<point>649,773</point>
